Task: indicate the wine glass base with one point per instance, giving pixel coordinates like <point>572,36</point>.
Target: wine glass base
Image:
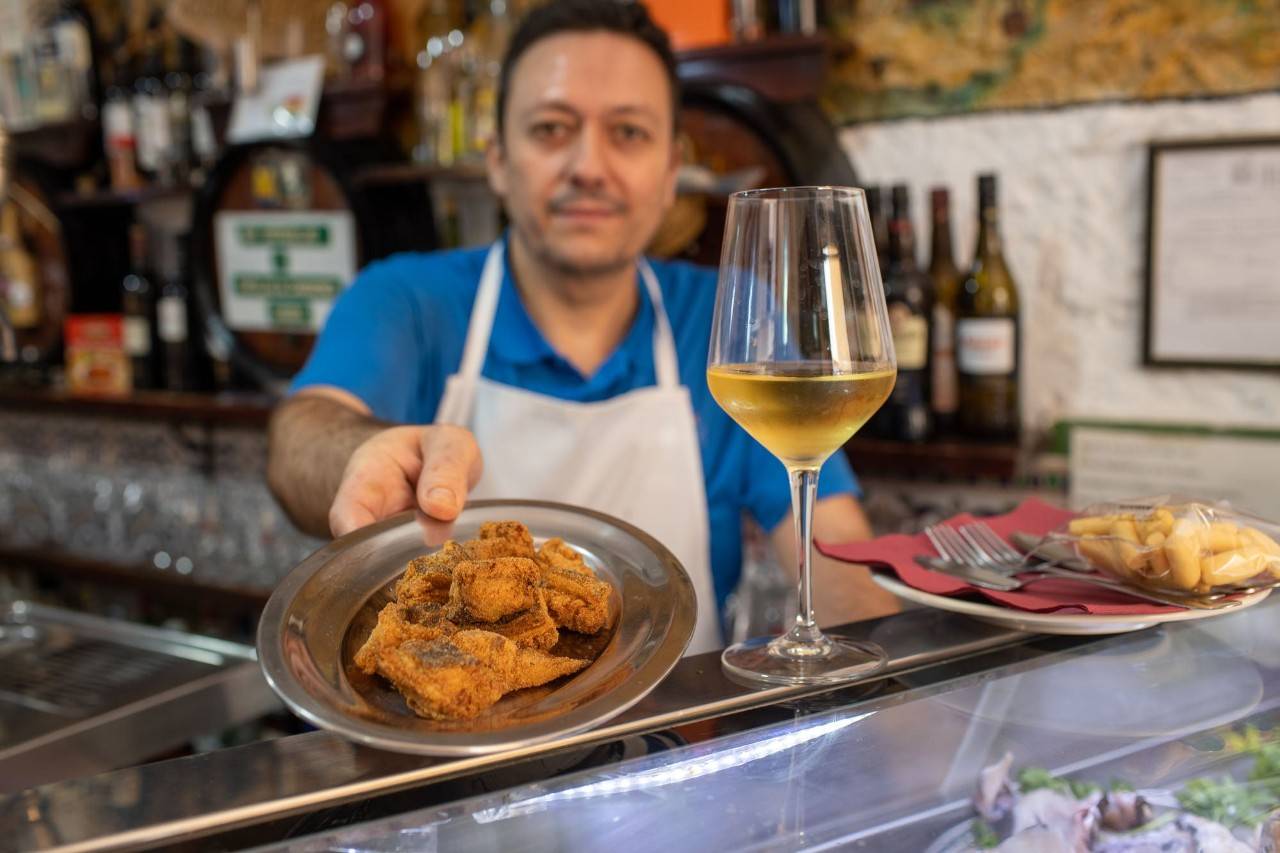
<point>778,660</point>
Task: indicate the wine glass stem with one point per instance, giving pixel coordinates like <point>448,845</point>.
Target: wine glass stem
<point>804,488</point>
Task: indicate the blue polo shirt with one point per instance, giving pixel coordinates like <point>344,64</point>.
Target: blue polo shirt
<point>396,335</point>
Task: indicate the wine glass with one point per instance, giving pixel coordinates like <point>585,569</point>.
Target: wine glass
<point>801,356</point>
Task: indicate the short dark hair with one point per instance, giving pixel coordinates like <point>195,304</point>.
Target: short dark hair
<point>624,17</point>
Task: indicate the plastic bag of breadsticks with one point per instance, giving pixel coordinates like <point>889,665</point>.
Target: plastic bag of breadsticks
<point>1177,543</point>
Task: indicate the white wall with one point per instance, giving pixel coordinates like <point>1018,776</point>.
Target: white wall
<point>1073,196</point>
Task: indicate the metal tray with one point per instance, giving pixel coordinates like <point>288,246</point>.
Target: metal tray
<point>324,608</point>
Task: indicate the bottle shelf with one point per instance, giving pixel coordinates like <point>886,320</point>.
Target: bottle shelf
<point>942,459</point>
<point>233,408</point>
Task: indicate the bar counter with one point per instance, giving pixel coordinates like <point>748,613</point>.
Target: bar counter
<point>894,758</point>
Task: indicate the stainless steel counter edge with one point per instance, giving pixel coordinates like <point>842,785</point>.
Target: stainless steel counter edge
<point>695,690</point>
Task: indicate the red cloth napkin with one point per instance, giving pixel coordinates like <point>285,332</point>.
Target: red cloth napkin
<point>898,552</point>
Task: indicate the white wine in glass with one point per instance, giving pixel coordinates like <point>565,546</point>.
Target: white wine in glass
<point>801,357</point>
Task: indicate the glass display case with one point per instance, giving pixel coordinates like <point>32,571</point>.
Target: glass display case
<point>894,773</point>
<point>891,765</point>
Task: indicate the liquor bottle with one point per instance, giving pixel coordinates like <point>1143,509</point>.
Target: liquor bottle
<point>138,306</point>
<point>365,45</point>
<point>987,332</point>
<point>171,317</point>
<point>54,97</point>
<point>72,30</point>
<point>879,226</point>
<point>946,285</point>
<point>177,84</point>
<point>151,117</point>
<point>19,272</point>
<point>119,139</point>
<point>204,143</point>
<point>434,144</point>
<point>492,32</point>
<point>908,293</point>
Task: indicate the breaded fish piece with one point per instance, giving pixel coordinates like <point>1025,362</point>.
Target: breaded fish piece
<point>440,681</point>
<point>533,628</point>
<point>490,590</point>
<point>398,623</point>
<point>509,531</point>
<point>492,549</point>
<point>427,579</point>
<point>519,667</point>
<point>557,554</point>
<point>576,601</point>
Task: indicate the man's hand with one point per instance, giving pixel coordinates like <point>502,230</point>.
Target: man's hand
<point>334,467</point>
<point>430,468</point>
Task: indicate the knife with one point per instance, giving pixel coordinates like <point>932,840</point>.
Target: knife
<point>1058,553</point>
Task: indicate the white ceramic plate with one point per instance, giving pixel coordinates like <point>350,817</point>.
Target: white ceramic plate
<point>1053,623</point>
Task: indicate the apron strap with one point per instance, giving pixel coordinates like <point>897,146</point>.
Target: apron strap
<point>666,366</point>
<point>482,313</point>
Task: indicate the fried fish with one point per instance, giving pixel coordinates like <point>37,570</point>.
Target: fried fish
<point>510,538</point>
<point>579,602</point>
<point>427,580</point>
<point>440,681</point>
<point>519,667</point>
<point>490,590</point>
<point>557,554</point>
<point>533,628</point>
<point>399,623</point>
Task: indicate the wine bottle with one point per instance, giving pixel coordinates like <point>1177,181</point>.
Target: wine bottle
<point>987,332</point>
<point>908,292</point>
<point>171,318</point>
<point>946,284</point>
<point>138,304</point>
<point>879,226</point>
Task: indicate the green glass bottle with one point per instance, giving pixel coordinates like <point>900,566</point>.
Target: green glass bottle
<point>987,333</point>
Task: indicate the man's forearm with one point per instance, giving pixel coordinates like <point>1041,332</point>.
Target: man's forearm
<point>310,440</point>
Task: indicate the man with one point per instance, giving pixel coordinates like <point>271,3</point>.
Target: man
<point>557,364</point>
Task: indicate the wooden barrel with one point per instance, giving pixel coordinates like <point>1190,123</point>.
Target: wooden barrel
<point>275,237</point>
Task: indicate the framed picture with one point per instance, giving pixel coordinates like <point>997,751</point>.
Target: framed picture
<point>1213,254</point>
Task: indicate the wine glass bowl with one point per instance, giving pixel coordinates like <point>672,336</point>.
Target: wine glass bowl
<point>801,356</point>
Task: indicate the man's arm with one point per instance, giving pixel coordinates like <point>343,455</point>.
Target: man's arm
<point>842,592</point>
<point>335,468</point>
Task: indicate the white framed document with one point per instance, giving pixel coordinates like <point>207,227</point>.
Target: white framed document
<point>1213,254</point>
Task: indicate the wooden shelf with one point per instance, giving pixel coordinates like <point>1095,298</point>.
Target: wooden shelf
<point>116,198</point>
<point>948,459</point>
<point>162,585</point>
<point>783,68</point>
<point>383,174</point>
<point>235,408</point>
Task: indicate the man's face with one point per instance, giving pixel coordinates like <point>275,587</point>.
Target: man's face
<point>586,165</point>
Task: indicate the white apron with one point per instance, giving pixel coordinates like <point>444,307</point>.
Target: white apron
<point>635,456</point>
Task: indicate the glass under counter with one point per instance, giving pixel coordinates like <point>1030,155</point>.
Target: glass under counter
<point>895,772</point>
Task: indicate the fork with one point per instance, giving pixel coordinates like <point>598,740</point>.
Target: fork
<point>966,546</point>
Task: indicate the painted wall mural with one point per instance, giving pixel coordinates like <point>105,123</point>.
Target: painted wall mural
<point>900,58</point>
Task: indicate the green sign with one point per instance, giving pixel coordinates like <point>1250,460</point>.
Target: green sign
<point>286,285</point>
<point>289,313</point>
<point>284,235</point>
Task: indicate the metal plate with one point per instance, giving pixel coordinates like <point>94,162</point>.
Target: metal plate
<point>322,611</point>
